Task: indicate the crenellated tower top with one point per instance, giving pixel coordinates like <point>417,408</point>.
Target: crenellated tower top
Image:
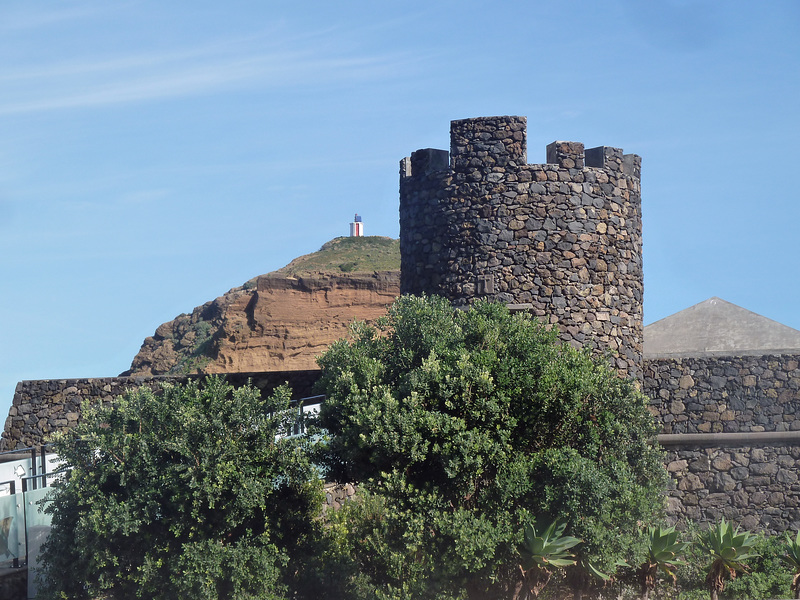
<point>561,239</point>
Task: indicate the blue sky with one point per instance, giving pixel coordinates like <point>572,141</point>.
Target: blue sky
<point>155,154</point>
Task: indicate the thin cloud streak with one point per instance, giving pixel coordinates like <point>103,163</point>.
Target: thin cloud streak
<point>241,46</point>
<point>62,191</point>
<point>49,15</point>
<point>149,77</point>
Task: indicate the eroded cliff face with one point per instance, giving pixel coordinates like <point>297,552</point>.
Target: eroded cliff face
<point>275,322</point>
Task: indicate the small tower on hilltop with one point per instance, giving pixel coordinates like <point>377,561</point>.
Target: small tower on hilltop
<point>356,227</point>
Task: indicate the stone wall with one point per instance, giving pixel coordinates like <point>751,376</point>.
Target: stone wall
<point>716,394</point>
<point>745,468</point>
<point>731,425</point>
<point>755,487</point>
<point>40,408</point>
<point>563,239</point>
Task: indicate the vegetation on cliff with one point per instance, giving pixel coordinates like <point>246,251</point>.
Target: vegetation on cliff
<point>348,255</point>
<point>224,335</point>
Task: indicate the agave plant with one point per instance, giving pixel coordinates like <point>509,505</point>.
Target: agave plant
<point>728,549</point>
<point>792,558</point>
<point>662,555</point>
<point>540,555</point>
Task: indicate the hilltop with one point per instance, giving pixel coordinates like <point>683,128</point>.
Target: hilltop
<point>348,255</point>
<point>281,320</point>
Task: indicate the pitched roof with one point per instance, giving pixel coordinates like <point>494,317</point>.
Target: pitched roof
<point>715,326</point>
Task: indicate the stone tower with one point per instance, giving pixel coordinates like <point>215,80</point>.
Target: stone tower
<point>562,240</point>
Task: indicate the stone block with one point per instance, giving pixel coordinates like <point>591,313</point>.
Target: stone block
<point>721,463</point>
<point>690,482</point>
<point>740,473</point>
<point>676,466</point>
<point>723,483</point>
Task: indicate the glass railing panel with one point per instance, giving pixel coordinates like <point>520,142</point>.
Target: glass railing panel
<point>12,534</point>
<point>37,527</point>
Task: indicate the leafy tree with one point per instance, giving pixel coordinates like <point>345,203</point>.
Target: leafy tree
<point>469,425</point>
<point>188,494</point>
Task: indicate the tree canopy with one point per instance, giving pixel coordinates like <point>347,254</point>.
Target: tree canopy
<point>464,429</point>
<point>188,494</point>
<point>463,426</point>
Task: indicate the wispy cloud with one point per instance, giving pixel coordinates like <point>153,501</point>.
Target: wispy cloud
<point>153,76</point>
<point>32,16</point>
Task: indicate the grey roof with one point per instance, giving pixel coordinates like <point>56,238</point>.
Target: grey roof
<point>718,327</point>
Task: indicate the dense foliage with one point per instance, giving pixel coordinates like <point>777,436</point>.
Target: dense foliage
<point>464,426</point>
<point>188,494</point>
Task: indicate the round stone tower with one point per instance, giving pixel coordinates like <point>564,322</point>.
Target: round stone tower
<point>562,240</point>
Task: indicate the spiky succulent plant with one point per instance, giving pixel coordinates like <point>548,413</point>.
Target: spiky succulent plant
<point>728,548</point>
<point>541,553</point>
<point>663,552</point>
<point>792,558</point>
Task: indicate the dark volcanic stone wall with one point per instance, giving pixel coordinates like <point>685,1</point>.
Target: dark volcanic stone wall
<point>40,408</point>
<point>563,238</point>
<point>754,487</point>
<point>725,394</point>
<point>732,426</point>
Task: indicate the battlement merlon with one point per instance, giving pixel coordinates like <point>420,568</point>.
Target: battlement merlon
<point>488,142</point>
<point>613,159</point>
<point>425,161</point>
<point>485,142</point>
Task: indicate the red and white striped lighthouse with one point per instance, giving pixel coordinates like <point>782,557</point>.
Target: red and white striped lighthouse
<point>356,227</point>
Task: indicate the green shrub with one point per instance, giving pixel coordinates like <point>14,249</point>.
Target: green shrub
<point>188,494</point>
<point>470,423</point>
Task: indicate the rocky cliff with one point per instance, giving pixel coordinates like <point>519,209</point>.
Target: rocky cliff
<point>282,320</point>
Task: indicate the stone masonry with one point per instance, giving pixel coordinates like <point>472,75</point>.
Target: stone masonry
<point>41,408</point>
<point>755,487</point>
<point>562,240</point>
<point>731,426</point>
<point>725,394</point>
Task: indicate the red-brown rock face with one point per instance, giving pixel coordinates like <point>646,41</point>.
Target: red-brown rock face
<point>283,323</point>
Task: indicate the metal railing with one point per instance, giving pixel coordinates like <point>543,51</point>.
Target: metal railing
<point>305,408</point>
